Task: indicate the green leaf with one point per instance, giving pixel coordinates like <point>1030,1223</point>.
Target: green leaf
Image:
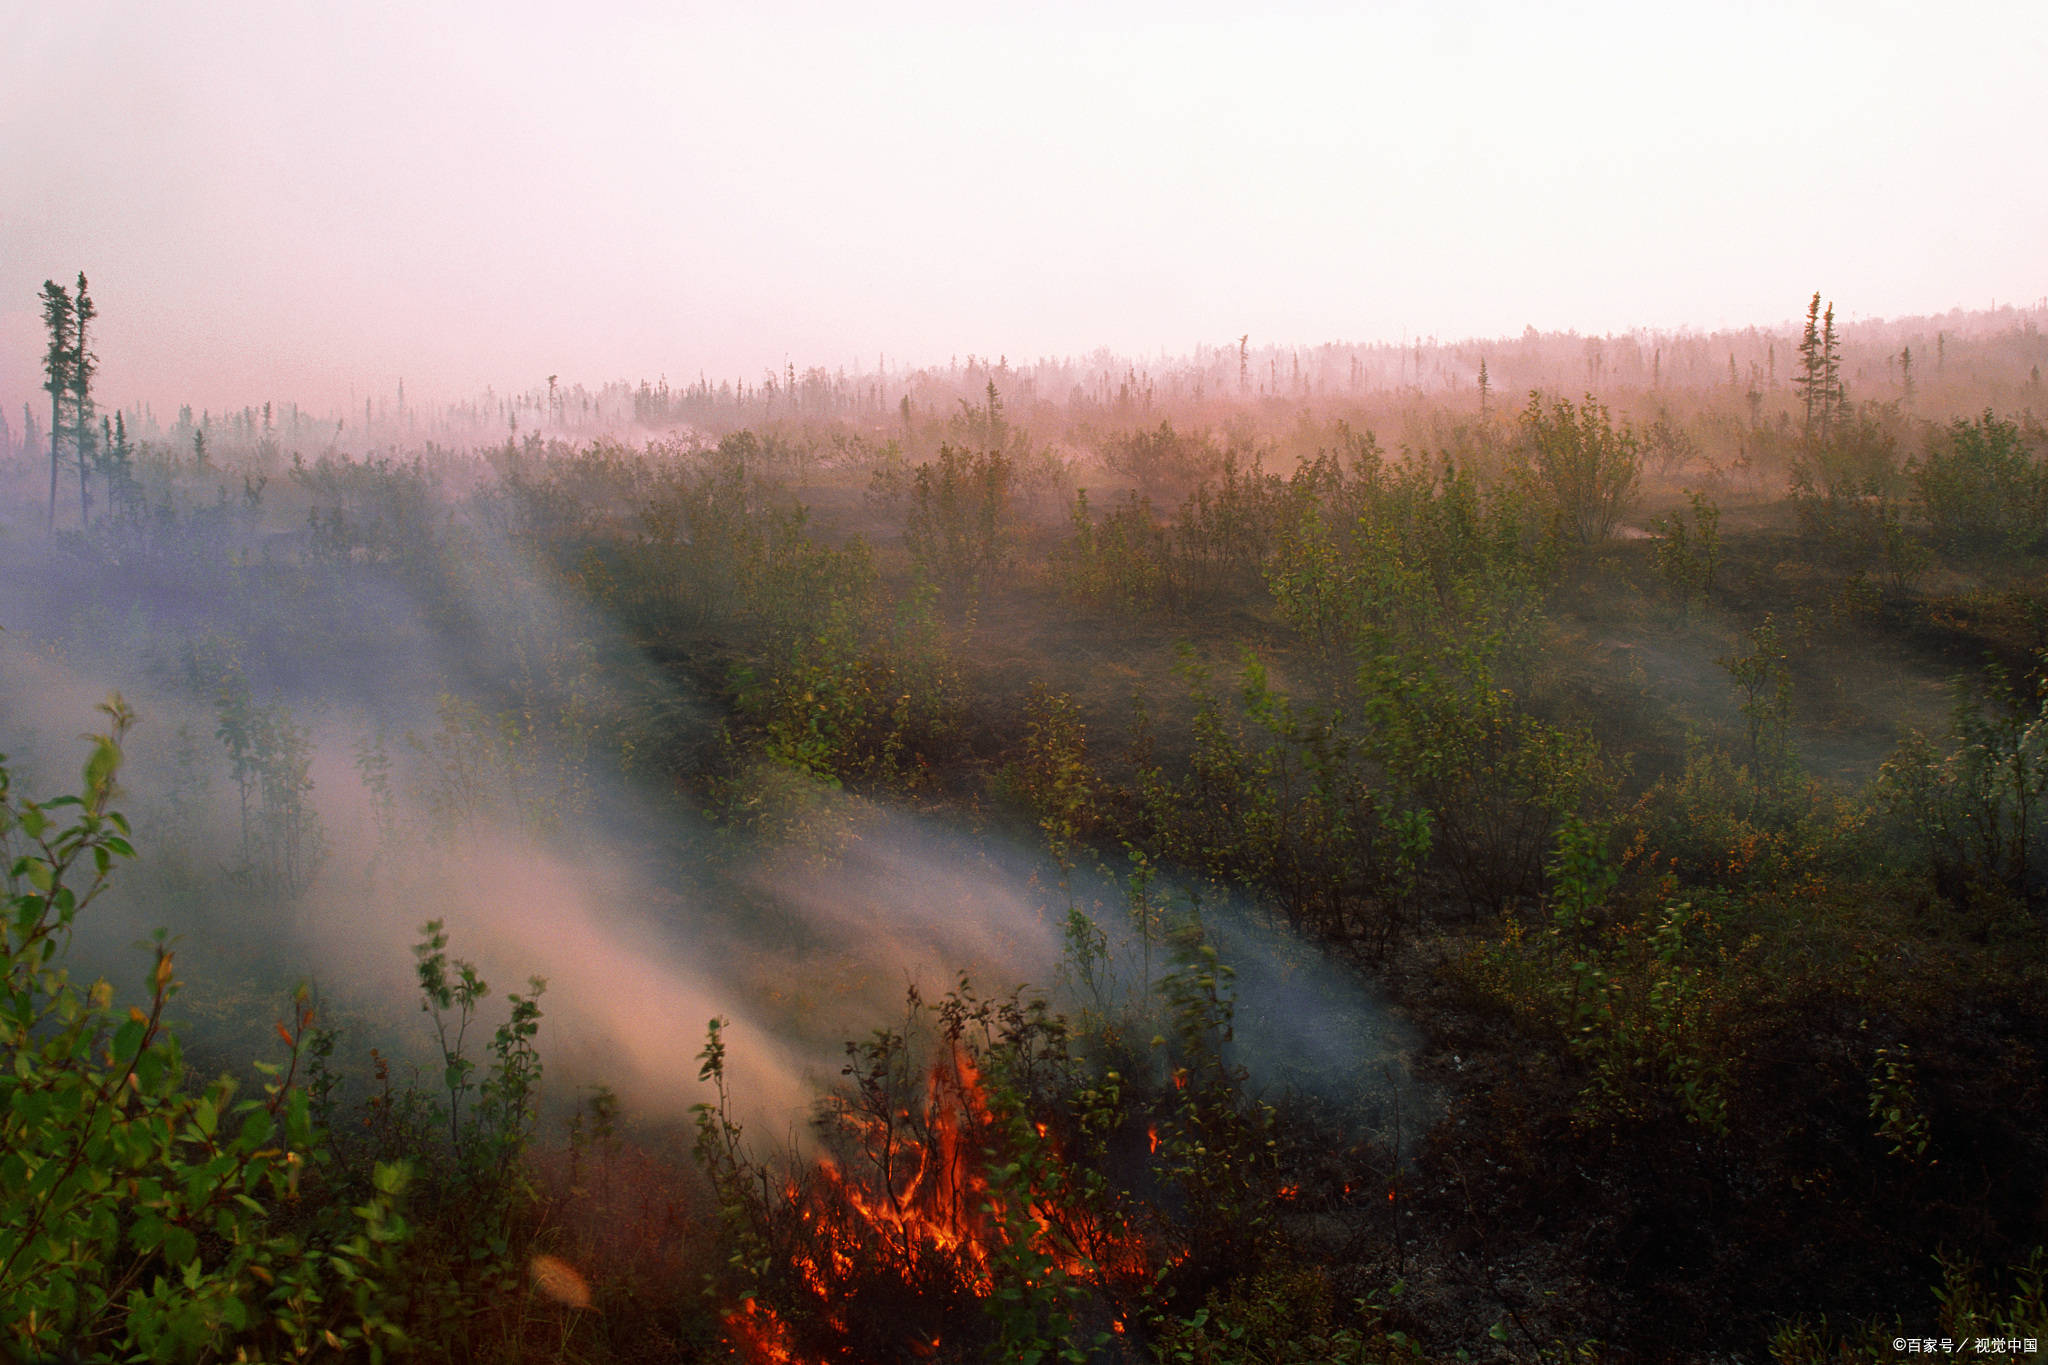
<point>128,1041</point>
<point>99,769</point>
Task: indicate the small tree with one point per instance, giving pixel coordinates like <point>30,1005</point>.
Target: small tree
<point>1763,678</point>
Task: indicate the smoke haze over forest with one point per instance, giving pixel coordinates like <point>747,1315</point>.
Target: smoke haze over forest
<point>296,204</point>
<point>1144,683</point>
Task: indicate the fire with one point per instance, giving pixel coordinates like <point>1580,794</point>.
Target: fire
<point>760,1336</point>
<point>927,1207</point>
<point>1152,1139</point>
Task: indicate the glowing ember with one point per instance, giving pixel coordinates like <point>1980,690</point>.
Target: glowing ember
<point>554,1278</point>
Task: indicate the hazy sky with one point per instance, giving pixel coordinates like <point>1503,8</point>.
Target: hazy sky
<point>286,200</point>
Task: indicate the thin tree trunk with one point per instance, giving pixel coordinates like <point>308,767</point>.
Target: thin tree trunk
<point>56,429</point>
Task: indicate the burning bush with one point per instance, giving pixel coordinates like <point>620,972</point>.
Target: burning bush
<point>985,1189</point>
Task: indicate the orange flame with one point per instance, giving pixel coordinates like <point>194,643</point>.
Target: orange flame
<point>760,1336</point>
<point>931,1196</point>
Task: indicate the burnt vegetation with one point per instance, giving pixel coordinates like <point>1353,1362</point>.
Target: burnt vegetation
<point>1667,746</point>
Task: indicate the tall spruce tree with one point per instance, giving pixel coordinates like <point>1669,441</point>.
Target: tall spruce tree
<point>84,364</point>
<point>1808,380</point>
<point>1833,401</point>
<point>60,316</point>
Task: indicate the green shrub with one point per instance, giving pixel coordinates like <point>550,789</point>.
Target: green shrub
<point>1979,485</point>
<point>140,1218</point>
<point>1284,1315</point>
<point>1583,469</point>
<point>1971,814</point>
<point>1688,554</point>
<point>1278,796</point>
<point>1122,561</point>
<point>865,695</point>
<point>1977,1315</point>
<point>1633,993</point>
<point>1165,462</point>
<point>959,528</point>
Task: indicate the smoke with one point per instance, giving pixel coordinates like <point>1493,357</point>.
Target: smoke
<point>458,733</point>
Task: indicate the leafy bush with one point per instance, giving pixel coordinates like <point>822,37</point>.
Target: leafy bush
<point>378,511</point>
<point>1224,532</point>
<point>959,528</point>
<point>141,1219</point>
<point>1583,470</point>
<point>1281,1315</point>
<point>1978,1313</point>
<point>1972,814</point>
<point>1163,462</point>
<point>1688,554</point>
<point>1495,780</point>
<point>1979,485</point>
<point>1633,996</point>
<point>863,696</point>
<point>1122,561</point>
<point>1278,796</point>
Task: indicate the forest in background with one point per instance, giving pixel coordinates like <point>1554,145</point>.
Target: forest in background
<point>1523,851</point>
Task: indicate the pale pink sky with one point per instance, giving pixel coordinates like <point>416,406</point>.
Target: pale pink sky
<point>279,200</point>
